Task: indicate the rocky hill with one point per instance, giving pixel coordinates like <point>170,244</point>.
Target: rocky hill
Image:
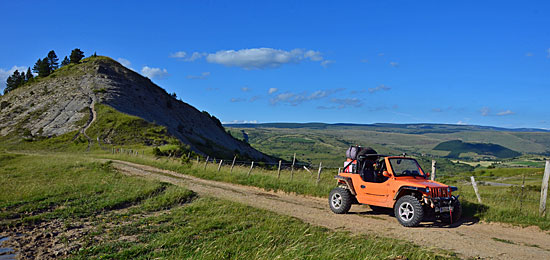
<point>62,102</point>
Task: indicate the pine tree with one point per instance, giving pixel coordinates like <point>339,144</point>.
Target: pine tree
<point>36,67</point>
<point>76,55</point>
<point>42,67</point>
<point>65,62</point>
<point>53,61</point>
<point>14,81</point>
<point>29,75</point>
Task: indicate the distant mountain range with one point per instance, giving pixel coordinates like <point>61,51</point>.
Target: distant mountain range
<point>417,128</point>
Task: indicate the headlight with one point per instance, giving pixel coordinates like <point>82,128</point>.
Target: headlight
<point>427,190</point>
<point>448,189</point>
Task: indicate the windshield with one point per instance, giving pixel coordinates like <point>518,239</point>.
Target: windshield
<point>405,167</point>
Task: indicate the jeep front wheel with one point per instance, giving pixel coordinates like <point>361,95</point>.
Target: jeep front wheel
<point>408,211</point>
<point>339,200</point>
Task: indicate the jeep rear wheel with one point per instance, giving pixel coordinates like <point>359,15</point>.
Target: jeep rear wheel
<point>408,211</point>
<point>339,200</point>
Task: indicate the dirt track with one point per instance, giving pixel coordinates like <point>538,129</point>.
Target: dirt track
<point>468,239</point>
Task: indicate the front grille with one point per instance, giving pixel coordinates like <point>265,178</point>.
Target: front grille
<point>439,192</point>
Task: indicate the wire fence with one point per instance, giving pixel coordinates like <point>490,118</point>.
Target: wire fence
<point>522,194</point>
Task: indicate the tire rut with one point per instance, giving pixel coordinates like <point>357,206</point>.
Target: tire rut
<point>468,239</point>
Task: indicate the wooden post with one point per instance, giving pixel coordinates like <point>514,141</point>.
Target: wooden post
<point>249,171</point>
<point>521,195</point>
<point>433,170</point>
<point>544,190</point>
<point>220,166</point>
<point>308,170</point>
<point>233,164</point>
<point>279,170</point>
<point>292,167</point>
<point>319,172</point>
<point>339,170</point>
<point>197,159</point>
<point>474,184</point>
<point>205,163</point>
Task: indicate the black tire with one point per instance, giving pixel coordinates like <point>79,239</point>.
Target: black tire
<point>408,211</point>
<point>457,213</point>
<point>340,200</point>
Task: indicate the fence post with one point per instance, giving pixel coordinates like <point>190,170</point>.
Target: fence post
<point>319,173</point>
<point>279,170</point>
<point>249,171</point>
<point>308,170</point>
<point>197,159</point>
<point>544,190</point>
<point>521,196</point>
<point>220,166</point>
<point>233,164</point>
<point>205,163</point>
<point>433,170</point>
<point>339,170</point>
<point>292,167</point>
<point>474,184</point>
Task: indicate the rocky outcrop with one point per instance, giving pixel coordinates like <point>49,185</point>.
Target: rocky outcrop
<point>59,103</point>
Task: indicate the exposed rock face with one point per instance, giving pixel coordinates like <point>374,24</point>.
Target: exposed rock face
<point>55,105</point>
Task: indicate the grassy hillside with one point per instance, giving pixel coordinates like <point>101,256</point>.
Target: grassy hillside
<point>70,206</point>
<point>457,147</point>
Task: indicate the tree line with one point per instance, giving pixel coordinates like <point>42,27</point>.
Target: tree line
<point>43,67</point>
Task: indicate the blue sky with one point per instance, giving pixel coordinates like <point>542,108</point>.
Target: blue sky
<point>458,62</point>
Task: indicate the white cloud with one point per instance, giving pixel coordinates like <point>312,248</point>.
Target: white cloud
<point>261,58</point>
<point>272,90</point>
<point>379,88</point>
<point>195,56</point>
<point>345,102</point>
<point>183,55</point>
<point>325,63</point>
<point>235,100</point>
<point>4,74</point>
<point>245,89</point>
<point>295,99</point>
<point>394,64</point>
<point>460,122</point>
<point>505,113</point>
<point>126,63</point>
<point>203,75</point>
<point>154,72</point>
<point>179,54</point>
<point>313,55</point>
<point>485,111</point>
<point>241,122</point>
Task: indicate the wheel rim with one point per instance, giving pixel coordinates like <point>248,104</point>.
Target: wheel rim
<point>336,200</point>
<point>406,211</point>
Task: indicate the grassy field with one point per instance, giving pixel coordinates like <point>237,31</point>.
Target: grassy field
<point>103,214</point>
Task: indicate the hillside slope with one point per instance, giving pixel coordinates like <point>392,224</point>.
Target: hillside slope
<point>61,103</point>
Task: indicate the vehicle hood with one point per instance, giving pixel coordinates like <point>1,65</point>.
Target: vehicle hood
<point>421,183</point>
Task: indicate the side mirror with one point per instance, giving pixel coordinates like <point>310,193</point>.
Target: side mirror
<point>386,174</point>
<point>428,174</point>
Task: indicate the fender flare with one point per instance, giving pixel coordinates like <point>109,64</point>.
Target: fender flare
<point>402,188</point>
<point>348,182</point>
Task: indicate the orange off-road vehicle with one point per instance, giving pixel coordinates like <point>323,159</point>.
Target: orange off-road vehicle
<point>392,182</point>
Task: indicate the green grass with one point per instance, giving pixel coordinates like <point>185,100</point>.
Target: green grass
<point>128,217</point>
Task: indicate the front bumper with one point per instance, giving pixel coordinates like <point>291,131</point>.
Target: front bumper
<point>441,204</point>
